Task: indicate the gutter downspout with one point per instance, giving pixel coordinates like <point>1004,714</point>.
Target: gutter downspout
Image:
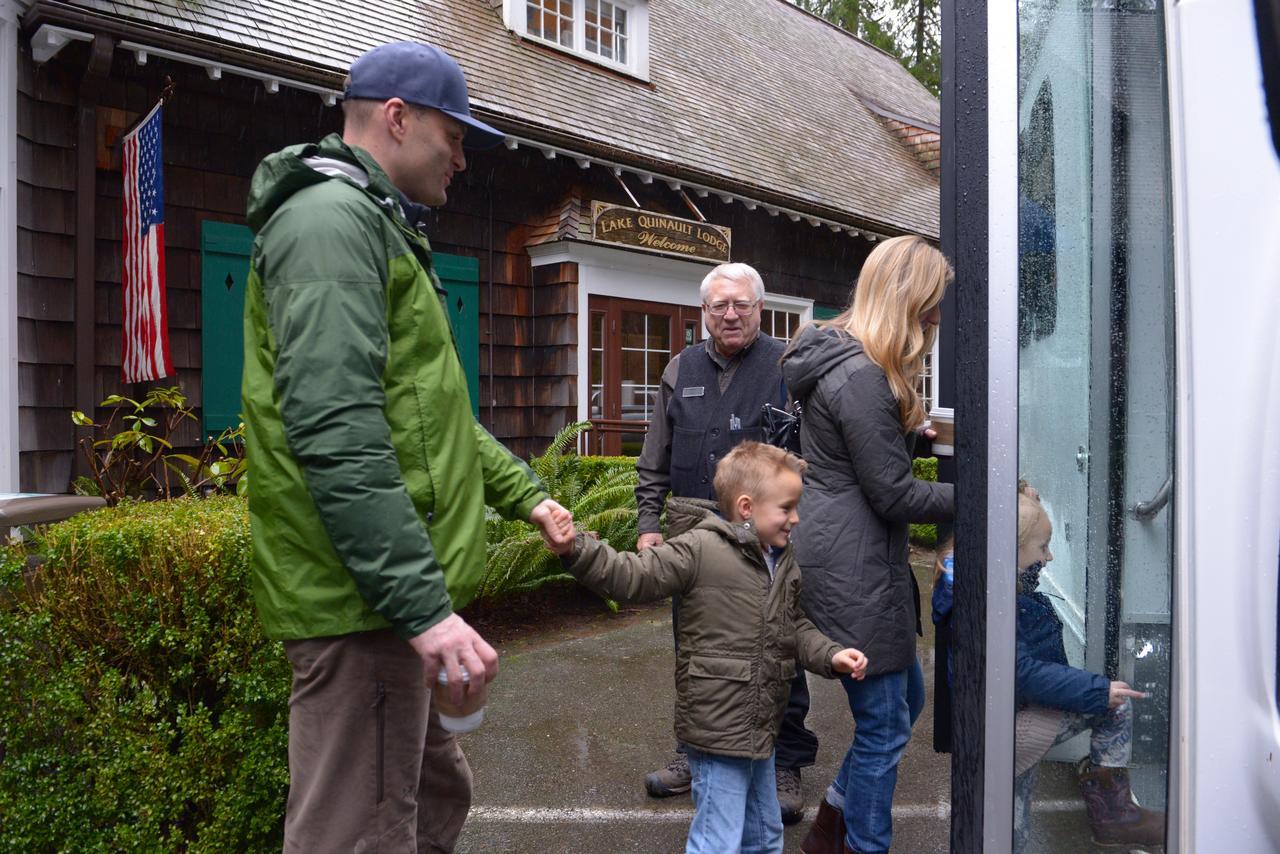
<point>493,400</point>
<point>95,73</point>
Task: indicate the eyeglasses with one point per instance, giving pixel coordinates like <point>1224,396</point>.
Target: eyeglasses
<point>718,309</point>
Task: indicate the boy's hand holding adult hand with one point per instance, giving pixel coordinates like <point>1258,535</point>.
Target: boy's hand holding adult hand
<point>555,524</point>
<point>648,540</point>
<point>1120,691</point>
<point>851,661</point>
<point>450,645</point>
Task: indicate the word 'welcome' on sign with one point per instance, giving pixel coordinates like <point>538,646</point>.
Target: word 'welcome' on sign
<point>659,232</point>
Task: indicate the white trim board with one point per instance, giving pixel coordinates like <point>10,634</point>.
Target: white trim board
<point>9,441</point>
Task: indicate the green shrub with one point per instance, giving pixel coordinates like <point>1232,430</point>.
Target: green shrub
<point>925,468</point>
<point>141,708</point>
<point>599,491</point>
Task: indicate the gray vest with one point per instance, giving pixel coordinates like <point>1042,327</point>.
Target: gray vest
<point>705,425</point>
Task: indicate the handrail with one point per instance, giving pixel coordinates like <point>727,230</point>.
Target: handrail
<point>1145,511</point>
<point>595,434</point>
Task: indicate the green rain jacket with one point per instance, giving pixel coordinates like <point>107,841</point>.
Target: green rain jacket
<point>369,472</point>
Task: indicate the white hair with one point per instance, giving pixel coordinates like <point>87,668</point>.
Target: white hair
<point>736,272</point>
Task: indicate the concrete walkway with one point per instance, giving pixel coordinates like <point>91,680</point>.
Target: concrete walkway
<point>572,727</point>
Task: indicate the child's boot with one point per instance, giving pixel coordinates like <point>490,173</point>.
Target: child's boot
<point>826,834</point>
<point>1114,816</point>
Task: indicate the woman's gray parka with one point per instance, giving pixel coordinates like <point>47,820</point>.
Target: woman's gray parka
<point>859,496</point>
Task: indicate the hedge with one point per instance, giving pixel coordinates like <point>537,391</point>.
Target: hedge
<point>141,708</point>
<point>925,468</point>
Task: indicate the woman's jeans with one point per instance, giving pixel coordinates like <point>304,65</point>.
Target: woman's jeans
<point>884,709</point>
<point>736,805</point>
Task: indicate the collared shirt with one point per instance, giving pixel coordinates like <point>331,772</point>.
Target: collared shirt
<point>654,464</point>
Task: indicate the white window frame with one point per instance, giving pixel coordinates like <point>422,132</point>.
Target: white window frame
<point>608,272</point>
<point>637,65</point>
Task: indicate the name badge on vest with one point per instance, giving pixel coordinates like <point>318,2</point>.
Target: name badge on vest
<point>693,391</point>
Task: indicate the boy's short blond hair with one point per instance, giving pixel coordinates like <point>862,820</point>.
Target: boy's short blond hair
<point>747,468</point>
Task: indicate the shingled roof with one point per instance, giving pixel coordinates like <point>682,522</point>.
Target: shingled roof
<point>752,95</point>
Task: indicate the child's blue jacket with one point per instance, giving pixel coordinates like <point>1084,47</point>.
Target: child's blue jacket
<point>1043,675</point>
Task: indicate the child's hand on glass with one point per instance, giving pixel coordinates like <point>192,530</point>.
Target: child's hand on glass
<point>851,661</point>
<point>1120,691</point>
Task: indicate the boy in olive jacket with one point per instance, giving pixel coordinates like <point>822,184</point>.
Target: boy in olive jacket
<point>741,633</point>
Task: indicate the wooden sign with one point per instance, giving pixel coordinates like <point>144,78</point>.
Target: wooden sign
<point>659,232</point>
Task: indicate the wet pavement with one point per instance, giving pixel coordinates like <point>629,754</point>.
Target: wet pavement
<point>573,726</point>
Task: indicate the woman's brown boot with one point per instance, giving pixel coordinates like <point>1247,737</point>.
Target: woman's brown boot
<point>826,834</point>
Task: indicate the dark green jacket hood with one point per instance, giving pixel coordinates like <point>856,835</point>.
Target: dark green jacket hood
<point>294,168</point>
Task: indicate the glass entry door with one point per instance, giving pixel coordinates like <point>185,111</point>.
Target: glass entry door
<point>1095,404</point>
<point>631,343</point>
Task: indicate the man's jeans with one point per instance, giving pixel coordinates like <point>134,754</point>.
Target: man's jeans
<point>797,746</point>
<point>370,766</point>
<point>884,708</point>
<point>736,805</point>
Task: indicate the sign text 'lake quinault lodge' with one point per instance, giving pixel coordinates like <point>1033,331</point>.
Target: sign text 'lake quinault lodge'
<point>659,232</point>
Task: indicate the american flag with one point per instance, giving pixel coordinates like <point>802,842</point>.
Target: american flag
<point>145,353</point>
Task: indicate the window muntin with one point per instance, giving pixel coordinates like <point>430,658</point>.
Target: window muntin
<point>613,33</point>
<point>925,384</point>
<point>605,30</point>
<point>779,322</point>
<point>551,20</point>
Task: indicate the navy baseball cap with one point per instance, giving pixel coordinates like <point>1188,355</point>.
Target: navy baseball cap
<point>419,74</point>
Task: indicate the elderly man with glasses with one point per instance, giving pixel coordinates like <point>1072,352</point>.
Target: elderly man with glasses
<point>710,400</point>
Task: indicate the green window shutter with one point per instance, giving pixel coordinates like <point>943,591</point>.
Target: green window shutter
<point>224,253</point>
<point>824,312</point>
<point>460,277</point>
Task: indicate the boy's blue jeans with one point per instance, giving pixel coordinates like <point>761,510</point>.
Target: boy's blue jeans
<point>884,709</point>
<point>736,803</point>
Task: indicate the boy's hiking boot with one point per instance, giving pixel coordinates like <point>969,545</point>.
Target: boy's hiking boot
<point>790,795</point>
<point>675,779</point>
<point>826,834</point>
<point>1114,815</point>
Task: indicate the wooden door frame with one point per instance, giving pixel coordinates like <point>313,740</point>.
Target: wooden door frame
<point>608,439</point>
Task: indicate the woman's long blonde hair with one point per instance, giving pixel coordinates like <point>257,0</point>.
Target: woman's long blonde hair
<point>902,279</point>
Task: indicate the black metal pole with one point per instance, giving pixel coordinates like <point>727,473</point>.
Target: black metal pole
<point>965,242</point>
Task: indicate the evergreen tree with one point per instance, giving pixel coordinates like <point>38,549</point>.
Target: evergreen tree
<point>907,29</point>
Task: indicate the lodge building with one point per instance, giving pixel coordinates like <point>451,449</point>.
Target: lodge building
<point>647,140</point>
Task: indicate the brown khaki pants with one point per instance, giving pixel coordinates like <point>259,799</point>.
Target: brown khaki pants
<point>370,767</point>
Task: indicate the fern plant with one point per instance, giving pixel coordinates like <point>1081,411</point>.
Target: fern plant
<point>602,501</point>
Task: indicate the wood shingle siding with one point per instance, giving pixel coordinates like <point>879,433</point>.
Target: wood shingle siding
<point>209,152</point>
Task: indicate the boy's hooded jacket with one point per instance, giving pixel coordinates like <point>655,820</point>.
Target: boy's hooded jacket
<point>740,634</point>
<point>369,473</point>
<point>859,496</point>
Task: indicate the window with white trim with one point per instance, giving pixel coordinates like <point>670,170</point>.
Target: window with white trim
<point>612,33</point>
<point>782,323</point>
<point>924,385</point>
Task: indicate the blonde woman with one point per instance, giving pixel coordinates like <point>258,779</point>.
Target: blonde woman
<point>856,378</point>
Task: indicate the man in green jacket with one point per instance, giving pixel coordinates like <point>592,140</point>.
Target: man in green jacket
<point>370,475</point>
